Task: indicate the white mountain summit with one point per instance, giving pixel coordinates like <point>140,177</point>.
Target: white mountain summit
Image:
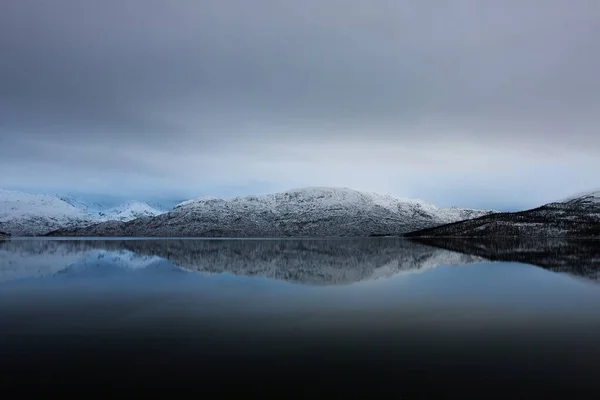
<point>306,212</point>
<point>128,212</point>
<point>584,199</point>
<point>123,212</point>
<point>26,214</point>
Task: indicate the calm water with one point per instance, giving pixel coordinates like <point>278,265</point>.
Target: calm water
<point>300,316</point>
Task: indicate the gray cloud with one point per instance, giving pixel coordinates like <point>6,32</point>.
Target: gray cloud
<point>200,92</point>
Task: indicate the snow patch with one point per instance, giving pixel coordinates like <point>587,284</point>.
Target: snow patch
<point>35,214</point>
<point>27,214</point>
<point>592,197</point>
<point>127,212</point>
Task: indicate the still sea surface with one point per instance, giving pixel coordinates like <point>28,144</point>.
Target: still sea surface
<point>299,317</point>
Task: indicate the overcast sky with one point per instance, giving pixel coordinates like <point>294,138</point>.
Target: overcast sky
<point>489,104</point>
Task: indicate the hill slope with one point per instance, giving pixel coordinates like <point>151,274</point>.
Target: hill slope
<point>25,214</point>
<point>308,212</point>
<point>578,217</point>
<point>127,212</point>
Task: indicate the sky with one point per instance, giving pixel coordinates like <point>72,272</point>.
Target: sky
<point>474,103</point>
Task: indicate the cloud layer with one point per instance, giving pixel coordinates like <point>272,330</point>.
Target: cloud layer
<point>466,102</point>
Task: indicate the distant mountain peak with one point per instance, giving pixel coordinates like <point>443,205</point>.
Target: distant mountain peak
<point>301,212</point>
<point>585,198</point>
<point>29,214</point>
<point>34,214</point>
<point>128,212</point>
<point>575,217</point>
<point>339,194</point>
<point>199,200</point>
<point>586,194</point>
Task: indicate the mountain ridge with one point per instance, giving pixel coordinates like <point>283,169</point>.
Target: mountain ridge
<point>30,214</point>
<point>576,217</point>
<point>128,211</point>
<point>27,214</point>
<point>301,212</point>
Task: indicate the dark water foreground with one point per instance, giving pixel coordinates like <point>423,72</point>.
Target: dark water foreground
<point>300,317</point>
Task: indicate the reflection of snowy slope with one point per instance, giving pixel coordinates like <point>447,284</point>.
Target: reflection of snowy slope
<point>34,259</point>
<point>435,259</point>
<point>18,261</point>
<point>103,263</point>
<point>316,262</point>
<point>123,259</point>
<point>313,262</point>
<point>572,256</point>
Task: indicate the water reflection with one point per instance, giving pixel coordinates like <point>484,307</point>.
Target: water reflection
<point>314,262</point>
<point>98,311</point>
<point>575,257</point>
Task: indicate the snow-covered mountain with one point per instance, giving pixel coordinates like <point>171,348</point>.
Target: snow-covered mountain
<point>26,214</point>
<point>576,217</point>
<point>584,200</point>
<point>123,212</point>
<point>126,212</point>
<point>310,212</point>
<point>86,206</point>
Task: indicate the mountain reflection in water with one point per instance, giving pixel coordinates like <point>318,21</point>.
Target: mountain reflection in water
<point>314,262</point>
<point>578,257</point>
<point>361,316</point>
<point>310,261</point>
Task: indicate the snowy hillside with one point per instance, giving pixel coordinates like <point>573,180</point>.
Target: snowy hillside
<point>313,211</point>
<point>587,199</point>
<point>576,217</point>
<point>84,205</point>
<point>123,212</point>
<point>25,214</point>
<point>127,212</point>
